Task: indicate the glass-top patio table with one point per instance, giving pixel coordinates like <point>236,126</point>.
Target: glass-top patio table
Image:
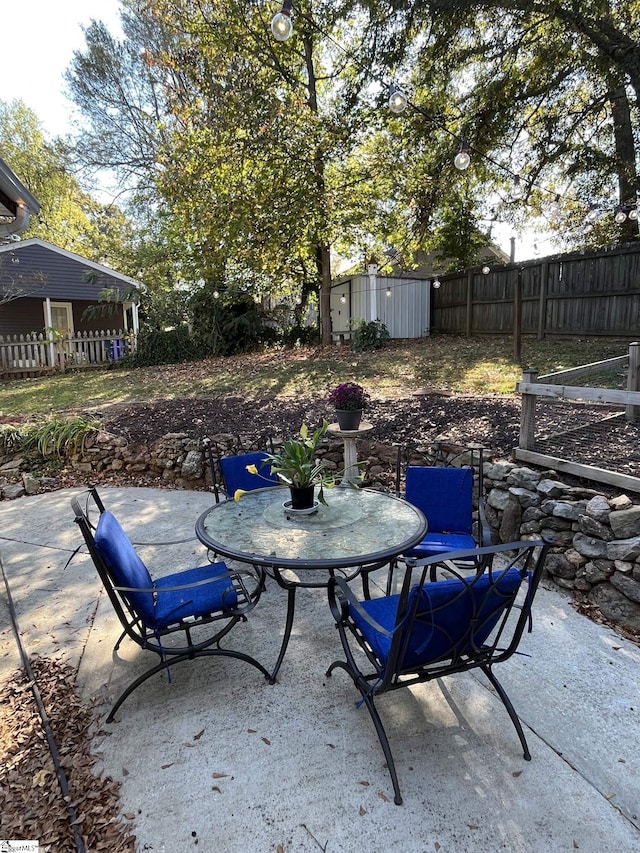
<point>359,530</point>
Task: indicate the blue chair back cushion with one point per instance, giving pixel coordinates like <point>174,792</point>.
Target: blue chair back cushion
<point>236,476</point>
<point>159,609</point>
<point>452,618</point>
<point>445,496</point>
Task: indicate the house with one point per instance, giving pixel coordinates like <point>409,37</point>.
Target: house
<point>400,299</point>
<point>17,205</point>
<point>44,293</point>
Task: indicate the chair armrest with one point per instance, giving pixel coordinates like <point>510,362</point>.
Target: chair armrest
<point>345,599</point>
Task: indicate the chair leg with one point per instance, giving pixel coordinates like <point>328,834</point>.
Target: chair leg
<point>365,689</point>
<point>179,659</point>
<point>510,709</point>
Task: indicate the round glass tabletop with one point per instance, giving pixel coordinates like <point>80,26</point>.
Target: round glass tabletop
<point>357,527</point>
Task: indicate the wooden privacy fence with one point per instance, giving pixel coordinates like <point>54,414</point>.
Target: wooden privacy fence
<point>596,423</point>
<point>33,355</point>
<point>583,294</point>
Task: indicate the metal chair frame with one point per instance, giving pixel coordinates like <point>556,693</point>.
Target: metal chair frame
<point>247,586</point>
<point>470,650</point>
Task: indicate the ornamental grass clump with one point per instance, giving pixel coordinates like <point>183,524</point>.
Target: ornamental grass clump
<point>349,396</point>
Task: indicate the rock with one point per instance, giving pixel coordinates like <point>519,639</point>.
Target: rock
<point>192,467</point>
<point>550,488</point>
<point>498,499</point>
<point>557,538</point>
<point>574,557</point>
<point>15,490</point>
<point>530,527</point>
<point>589,547</point>
<point>12,465</point>
<point>525,497</point>
<point>621,566</point>
<point>626,585</point>
<point>616,606</point>
<point>620,502</point>
<point>558,566</point>
<point>511,519</point>
<point>524,478</point>
<point>497,470</point>
<point>624,549</point>
<point>592,527</point>
<point>625,523</point>
<point>598,508</point>
<point>31,484</point>
<point>564,509</point>
<point>532,513</point>
<point>597,571</point>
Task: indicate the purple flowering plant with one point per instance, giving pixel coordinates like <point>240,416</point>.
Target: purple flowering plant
<point>349,395</point>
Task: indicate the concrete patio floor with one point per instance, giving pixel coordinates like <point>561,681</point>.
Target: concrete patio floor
<point>219,760</point>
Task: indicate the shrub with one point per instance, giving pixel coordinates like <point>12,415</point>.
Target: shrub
<point>368,336</point>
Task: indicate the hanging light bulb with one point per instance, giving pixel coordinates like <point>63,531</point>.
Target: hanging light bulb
<point>343,299</point>
<point>517,191</point>
<point>388,291</point>
<point>436,283</point>
<point>397,100</point>
<point>216,295</point>
<point>281,24</point>
<point>633,213</point>
<point>462,158</point>
<point>554,207</point>
<point>592,215</point>
<point>486,269</point>
<point>620,215</point>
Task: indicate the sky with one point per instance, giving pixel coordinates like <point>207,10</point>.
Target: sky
<point>39,38</point>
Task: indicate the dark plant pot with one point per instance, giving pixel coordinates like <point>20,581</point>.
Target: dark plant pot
<point>301,497</point>
<point>348,419</point>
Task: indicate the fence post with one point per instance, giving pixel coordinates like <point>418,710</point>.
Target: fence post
<point>632,413</point>
<point>517,317</point>
<point>528,414</point>
<point>469,311</point>
<point>542,304</point>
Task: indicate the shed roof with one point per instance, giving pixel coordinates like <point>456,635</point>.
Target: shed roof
<point>13,193</point>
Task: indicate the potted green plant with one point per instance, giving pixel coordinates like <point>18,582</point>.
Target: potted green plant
<point>350,400</point>
<point>297,465</point>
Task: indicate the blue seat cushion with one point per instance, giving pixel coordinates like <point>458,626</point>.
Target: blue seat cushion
<point>160,609</point>
<point>236,476</point>
<point>445,496</point>
<point>452,618</point>
<point>212,597</point>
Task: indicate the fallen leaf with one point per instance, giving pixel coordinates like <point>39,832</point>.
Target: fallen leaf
<point>251,731</point>
<point>199,735</point>
<point>220,775</point>
<point>516,773</point>
<point>366,784</point>
<point>383,796</point>
<point>473,826</point>
<point>190,745</point>
<point>130,815</point>
<point>609,796</point>
<point>436,846</point>
<point>216,789</point>
<point>165,766</point>
<point>279,849</point>
<point>362,811</point>
<point>266,740</point>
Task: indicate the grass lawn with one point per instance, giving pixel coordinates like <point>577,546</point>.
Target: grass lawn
<point>480,366</point>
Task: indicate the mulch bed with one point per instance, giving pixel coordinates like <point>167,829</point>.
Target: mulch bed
<point>31,801</point>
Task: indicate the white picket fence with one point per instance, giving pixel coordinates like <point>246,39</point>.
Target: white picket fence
<point>31,355</point>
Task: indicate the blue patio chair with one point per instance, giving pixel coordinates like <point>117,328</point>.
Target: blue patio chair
<point>163,614</point>
<point>229,472</point>
<point>432,629</point>
<point>444,492</point>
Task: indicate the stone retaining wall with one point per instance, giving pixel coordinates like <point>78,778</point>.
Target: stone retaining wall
<point>595,539</point>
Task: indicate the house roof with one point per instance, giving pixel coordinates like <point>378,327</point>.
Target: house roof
<point>63,271</point>
<point>13,193</point>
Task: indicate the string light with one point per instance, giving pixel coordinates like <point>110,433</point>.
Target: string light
<point>388,291</point>
<point>281,24</point>
<point>343,299</point>
<point>397,100</point>
<point>436,283</point>
<point>282,28</point>
<point>517,191</point>
<point>462,158</point>
<point>486,269</point>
